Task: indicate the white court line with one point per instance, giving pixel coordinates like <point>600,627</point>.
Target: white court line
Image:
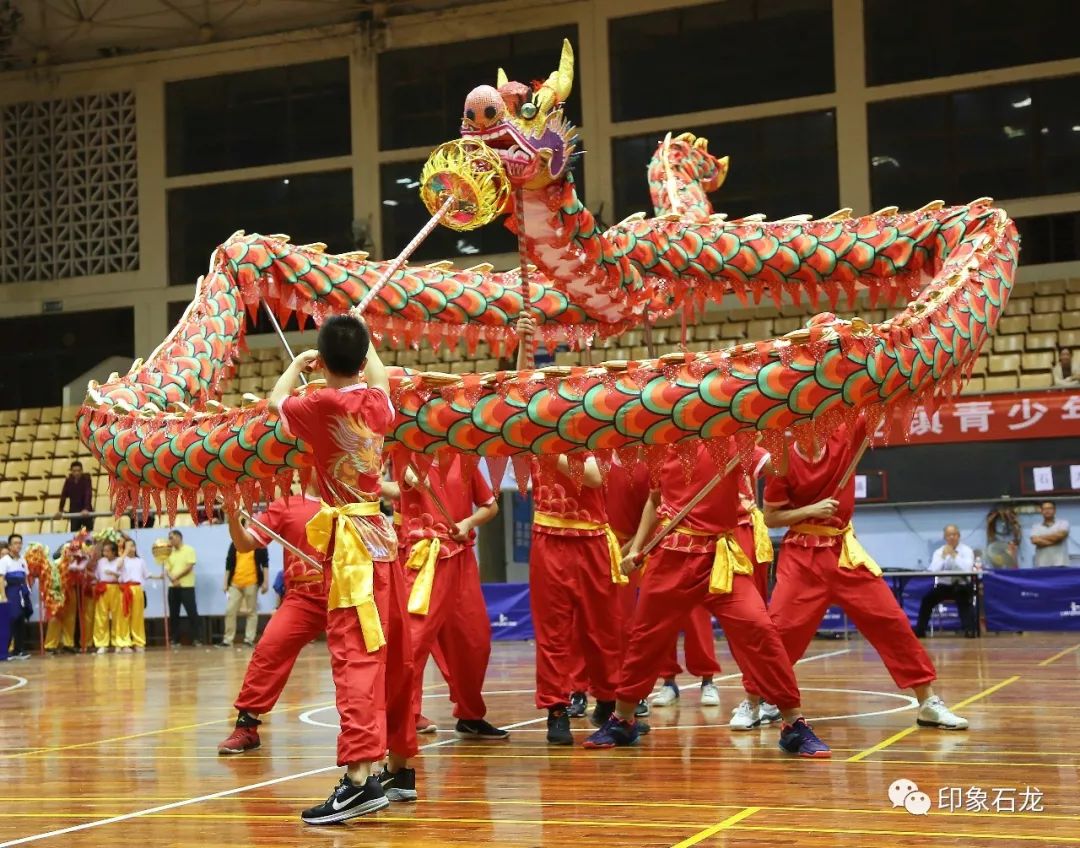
<point>222,794</point>
<point>273,782</point>
<point>19,683</point>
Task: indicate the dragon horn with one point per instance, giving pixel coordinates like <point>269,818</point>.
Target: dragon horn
<point>556,87</point>
<point>500,78</point>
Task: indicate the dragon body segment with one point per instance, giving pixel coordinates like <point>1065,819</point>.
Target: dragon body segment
<point>159,428</point>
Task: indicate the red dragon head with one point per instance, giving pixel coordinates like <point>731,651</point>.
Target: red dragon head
<point>534,139</point>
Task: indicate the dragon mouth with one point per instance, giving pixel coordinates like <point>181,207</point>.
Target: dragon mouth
<point>518,156</point>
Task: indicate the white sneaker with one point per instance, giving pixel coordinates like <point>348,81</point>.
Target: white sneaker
<point>745,716</point>
<point>667,696</point>
<point>710,695</point>
<point>770,713</point>
<point>934,713</point>
<point>102,650</point>
<point>123,650</point>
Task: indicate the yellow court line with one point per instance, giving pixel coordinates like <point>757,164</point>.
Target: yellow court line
<point>1020,837</point>
<point>716,828</point>
<point>1057,656</point>
<point>896,737</point>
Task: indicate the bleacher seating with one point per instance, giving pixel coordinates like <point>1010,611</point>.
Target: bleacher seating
<point>38,445</point>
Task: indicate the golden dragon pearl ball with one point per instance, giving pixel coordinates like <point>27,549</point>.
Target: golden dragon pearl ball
<point>472,174</point>
<point>161,549</point>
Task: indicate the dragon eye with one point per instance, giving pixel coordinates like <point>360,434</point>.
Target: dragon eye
<point>528,111</point>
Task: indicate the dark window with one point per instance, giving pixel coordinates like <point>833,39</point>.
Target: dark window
<point>253,118</point>
<point>779,166</point>
<point>719,54</point>
<point>1007,141</point>
<point>43,353</point>
<point>1049,238</point>
<point>308,207</point>
<point>922,39</point>
<point>422,90</point>
<point>403,214</point>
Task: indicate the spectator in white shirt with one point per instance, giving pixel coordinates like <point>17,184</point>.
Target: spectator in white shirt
<point>1051,538</point>
<point>954,555</point>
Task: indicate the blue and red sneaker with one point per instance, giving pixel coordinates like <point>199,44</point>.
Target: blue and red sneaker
<point>615,732</point>
<point>799,738</point>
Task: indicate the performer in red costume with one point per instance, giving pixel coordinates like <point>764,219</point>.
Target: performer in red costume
<point>300,619</point>
<point>446,605</point>
<point>574,577</point>
<point>754,711</point>
<point>344,425</point>
<point>625,491</point>
<point>702,562</point>
<point>822,563</point>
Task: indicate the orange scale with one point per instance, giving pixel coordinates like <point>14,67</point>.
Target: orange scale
<point>719,426</point>
<point>607,438</point>
<point>233,455</point>
<point>579,428</point>
<point>465,436</point>
<point>271,450</point>
<point>635,420</point>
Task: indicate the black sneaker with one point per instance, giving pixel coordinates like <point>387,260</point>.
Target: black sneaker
<point>558,732</point>
<point>602,712</point>
<point>399,785</point>
<point>642,709</point>
<point>579,702</point>
<point>478,728</point>
<point>348,801</point>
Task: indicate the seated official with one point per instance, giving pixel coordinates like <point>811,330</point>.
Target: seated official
<point>954,555</point>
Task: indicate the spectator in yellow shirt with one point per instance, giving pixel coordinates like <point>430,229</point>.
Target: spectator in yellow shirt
<point>245,575</point>
<point>180,568</point>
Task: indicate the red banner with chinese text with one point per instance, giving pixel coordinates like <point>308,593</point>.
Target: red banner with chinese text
<point>991,418</point>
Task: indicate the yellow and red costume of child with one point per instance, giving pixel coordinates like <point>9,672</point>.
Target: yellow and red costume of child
<point>704,562</point>
<point>575,584</point>
<point>367,630</point>
<point>822,563</point>
<point>446,605</point>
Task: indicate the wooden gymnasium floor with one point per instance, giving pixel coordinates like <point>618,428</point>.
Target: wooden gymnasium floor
<point>121,750</point>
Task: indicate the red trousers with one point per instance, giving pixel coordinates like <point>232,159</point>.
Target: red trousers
<point>570,590</point>
<point>761,579</point>
<point>374,690</point>
<point>677,583</point>
<point>457,623</point>
<point>809,580</point>
<point>579,678</point>
<point>699,646</point>
<point>299,619</point>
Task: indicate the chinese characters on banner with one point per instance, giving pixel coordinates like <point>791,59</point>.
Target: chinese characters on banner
<point>990,418</point>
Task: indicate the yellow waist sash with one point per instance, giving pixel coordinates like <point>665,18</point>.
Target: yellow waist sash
<point>763,549</point>
<point>423,558</point>
<point>852,554</point>
<point>614,549</point>
<point>730,559</point>
<point>352,581</point>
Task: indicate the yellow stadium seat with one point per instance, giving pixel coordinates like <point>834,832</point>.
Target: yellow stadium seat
<point>101,501</point>
<point>7,433</point>
<point>25,433</point>
<point>1073,285</point>
<point>50,415</point>
<point>974,386</point>
<point>1045,322</point>
<point>1008,344</point>
<point>1048,287</point>
<point>8,417</point>
<point>1035,381</point>
<point>61,465</point>
<point>18,450</point>
<point>67,447</point>
<point>42,449</point>
<point>1010,325</point>
<point>29,415</point>
<point>69,413</point>
<point>1053,303</point>
<point>50,431</point>
<point>1004,363</point>
<point>55,484</point>
<point>10,489</point>
<point>1070,320</point>
<point>1020,306</point>
<point>1040,341</point>
<point>1001,383</point>
<point>39,468</point>
<point>1069,338</point>
<point>4,447</point>
<point>1042,362</point>
<point>35,488</point>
